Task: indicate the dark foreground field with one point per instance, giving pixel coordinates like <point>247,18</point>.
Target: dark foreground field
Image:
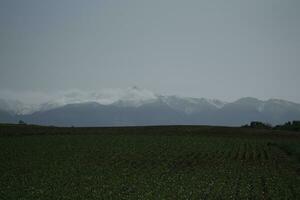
<point>187,162</point>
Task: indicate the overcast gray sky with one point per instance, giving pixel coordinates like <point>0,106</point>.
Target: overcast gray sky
<point>201,48</point>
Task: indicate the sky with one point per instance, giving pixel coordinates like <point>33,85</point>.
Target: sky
<point>200,48</point>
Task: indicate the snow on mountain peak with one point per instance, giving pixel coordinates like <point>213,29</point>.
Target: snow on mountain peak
<point>217,103</point>
<point>134,96</point>
<point>27,103</point>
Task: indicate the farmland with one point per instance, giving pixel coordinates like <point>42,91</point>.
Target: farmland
<point>176,162</point>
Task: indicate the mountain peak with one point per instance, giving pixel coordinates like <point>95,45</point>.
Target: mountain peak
<point>248,99</point>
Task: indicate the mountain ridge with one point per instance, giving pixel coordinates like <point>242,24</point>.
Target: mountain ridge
<point>136,106</point>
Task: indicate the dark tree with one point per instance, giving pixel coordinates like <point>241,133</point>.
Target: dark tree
<point>21,122</point>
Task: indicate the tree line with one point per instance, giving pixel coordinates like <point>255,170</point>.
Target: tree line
<point>288,126</point>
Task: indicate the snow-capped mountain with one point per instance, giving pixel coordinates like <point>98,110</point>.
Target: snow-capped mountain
<point>132,96</point>
<point>191,105</point>
<point>129,97</point>
<point>136,106</point>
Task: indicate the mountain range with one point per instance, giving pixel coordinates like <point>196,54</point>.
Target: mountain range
<point>140,107</point>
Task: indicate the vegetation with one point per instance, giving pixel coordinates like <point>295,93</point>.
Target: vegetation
<point>259,125</point>
<point>21,122</point>
<point>176,162</point>
<point>290,126</point>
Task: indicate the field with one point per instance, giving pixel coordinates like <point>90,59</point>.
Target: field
<point>179,162</point>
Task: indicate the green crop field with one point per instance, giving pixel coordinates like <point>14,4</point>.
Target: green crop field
<point>188,162</point>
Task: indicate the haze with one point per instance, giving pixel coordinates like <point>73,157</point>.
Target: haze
<point>214,49</point>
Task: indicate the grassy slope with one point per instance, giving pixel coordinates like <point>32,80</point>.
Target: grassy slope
<point>178,162</point>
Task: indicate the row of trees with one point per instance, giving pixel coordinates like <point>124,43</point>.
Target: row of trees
<point>290,126</point>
